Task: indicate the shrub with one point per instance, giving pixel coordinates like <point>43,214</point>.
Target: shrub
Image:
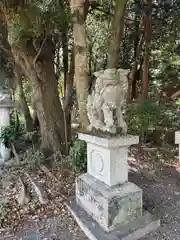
<point>78,155</point>
<point>148,117</point>
<point>9,134</point>
<point>34,158</point>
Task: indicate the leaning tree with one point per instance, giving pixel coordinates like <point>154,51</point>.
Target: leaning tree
<point>35,28</point>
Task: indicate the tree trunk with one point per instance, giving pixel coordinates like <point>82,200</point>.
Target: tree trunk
<point>79,10</point>
<point>138,44</point>
<point>68,96</point>
<point>65,55</point>
<point>45,97</point>
<point>37,61</point>
<point>49,109</point>
<point>23,104</point>
<point>6,58</point>
<point>145,74</point>
<point>116,33</point>
<point>147,20</point>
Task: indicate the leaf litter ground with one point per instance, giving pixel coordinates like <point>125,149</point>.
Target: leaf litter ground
<point>159,179</point>
<point>58,186</point>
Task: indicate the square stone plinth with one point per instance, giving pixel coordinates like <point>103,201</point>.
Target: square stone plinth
<point>107,157</point>
<point>109,206</point>
<point>134,230</point>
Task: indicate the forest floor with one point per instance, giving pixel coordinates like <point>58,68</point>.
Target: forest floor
<point>159,180</point>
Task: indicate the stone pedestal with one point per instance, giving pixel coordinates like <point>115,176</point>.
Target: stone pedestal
<point>177,141</point>
<point>110,207</point>
<point>107,158</point>
<point>104,193</point>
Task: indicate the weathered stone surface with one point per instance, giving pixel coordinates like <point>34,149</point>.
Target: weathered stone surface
<point>132,231</point>
<point>107,157</point>
<point>109,206</point>
<point>106,102</point>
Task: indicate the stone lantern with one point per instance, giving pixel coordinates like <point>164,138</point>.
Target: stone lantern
<point>6,105</point>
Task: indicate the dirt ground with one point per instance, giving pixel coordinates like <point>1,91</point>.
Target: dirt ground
<point>161,192</point>
<point>162,198</point>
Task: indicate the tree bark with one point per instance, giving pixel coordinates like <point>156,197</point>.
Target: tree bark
<point>49,109</point>
<point>135,73</point>
<point>23,104</point>
<point>79,10</point>
<point>68,96</point>
<point>65,55</point>
<point>145,73</point>
<point>147,20</point>
<point>138,44</point>
<point>46,99</point>
<point>116,34</point>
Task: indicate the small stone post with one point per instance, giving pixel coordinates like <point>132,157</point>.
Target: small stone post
<point>177,141</point>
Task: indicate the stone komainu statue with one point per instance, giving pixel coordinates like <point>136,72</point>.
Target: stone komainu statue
<point>105,103</point>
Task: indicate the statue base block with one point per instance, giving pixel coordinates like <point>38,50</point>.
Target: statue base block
<point>107,157</point>
<point>109,206</point>
<point>132,231</point>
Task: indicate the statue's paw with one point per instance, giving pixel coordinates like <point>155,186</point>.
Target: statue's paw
<point>124,130</point>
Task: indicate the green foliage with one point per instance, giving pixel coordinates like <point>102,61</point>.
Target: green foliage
<point>33,158</point>
<point>9,134</point>
<point>97,39</point>
<point>28,92</point>
<point>144,116</point>
<point>148,117</point>
<point>37,17</point>
<point>178,102</point>
<point>78,155</point>
<point>165,154</point>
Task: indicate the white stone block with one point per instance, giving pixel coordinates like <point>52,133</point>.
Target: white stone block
<point>177,137</point>
<point>4,121</point>
<point>177,140</point>
<point>107,157</point>
<point>4,117</point>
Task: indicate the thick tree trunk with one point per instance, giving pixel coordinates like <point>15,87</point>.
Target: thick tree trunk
<point>49,109</point>
<point>37,60</point>
<point>23,104</point>
<point>45,98</point>
<point>116,33</point>
<point>79,10</point>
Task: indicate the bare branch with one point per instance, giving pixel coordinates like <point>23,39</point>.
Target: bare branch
<point>40,50</point>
